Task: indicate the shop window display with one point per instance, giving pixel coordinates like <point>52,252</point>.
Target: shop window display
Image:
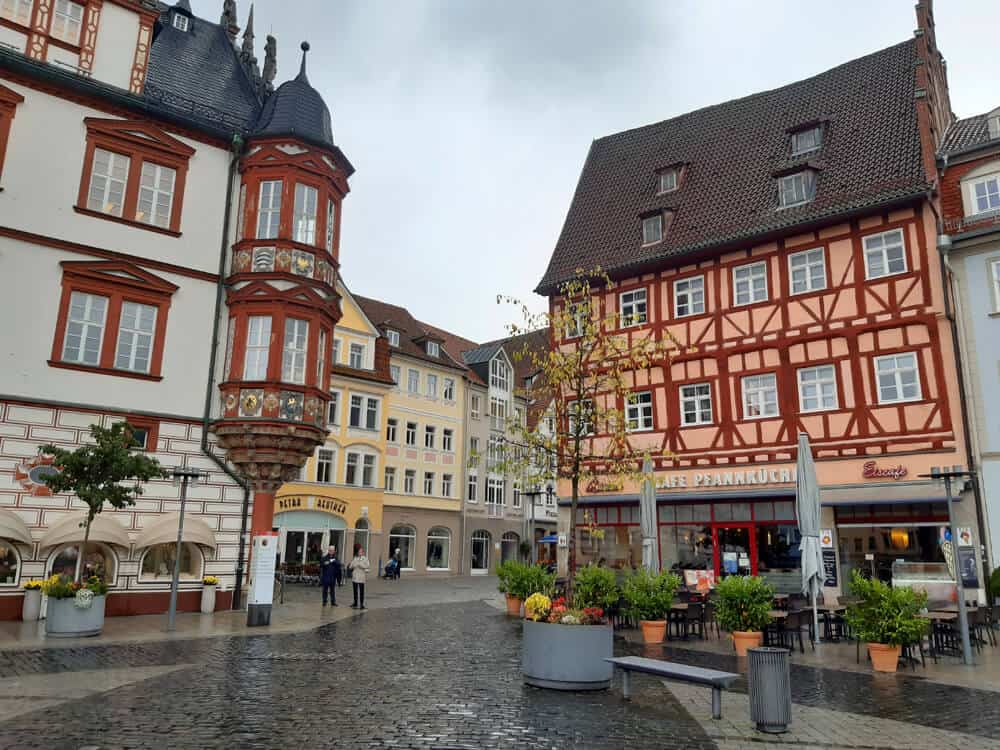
<point>158,562</point>
<point>98,560</point>
<point>10,564</point>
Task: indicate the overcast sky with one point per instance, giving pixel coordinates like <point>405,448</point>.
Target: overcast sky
<point>468,121</point>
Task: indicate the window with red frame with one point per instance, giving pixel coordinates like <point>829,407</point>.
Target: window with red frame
<point>112,319</point>
<point>135,173</point>
<point>9,99</point>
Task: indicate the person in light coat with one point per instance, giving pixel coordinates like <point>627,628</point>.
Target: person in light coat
<point>359,575</point>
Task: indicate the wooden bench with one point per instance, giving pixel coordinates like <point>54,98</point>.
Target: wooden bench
<point>680,672</point>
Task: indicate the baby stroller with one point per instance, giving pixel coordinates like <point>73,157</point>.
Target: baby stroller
<point>391,569</point>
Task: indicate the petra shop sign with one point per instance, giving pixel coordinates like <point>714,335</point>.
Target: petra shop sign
<point>872,470</point>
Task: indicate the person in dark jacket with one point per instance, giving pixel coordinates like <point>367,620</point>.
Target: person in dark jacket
<point>329,571</point>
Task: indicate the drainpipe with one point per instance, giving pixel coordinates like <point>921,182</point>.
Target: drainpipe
<point>985,555</point>
<point>237,149</point>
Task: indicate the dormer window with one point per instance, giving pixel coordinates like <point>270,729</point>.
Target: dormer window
<point>668,180</point>
<point>652,229</point>
<point>180,22</point>
<point>433,349</point>
<point>993,126</point>
<point>393,337</point>
<point>796,189</point>
<point>804,141</point>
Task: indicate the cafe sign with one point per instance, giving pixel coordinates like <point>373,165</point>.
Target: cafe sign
<point>310,502</point>
<point>728,478</point>
<point>872,470</point>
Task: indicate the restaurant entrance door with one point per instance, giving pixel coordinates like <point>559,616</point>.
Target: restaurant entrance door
<point>735,550</point>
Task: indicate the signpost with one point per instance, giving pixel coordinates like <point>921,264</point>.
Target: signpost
<point>184,476</point>
<point>262,564</point>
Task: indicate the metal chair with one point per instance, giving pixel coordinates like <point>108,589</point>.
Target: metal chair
<point>692,620</point>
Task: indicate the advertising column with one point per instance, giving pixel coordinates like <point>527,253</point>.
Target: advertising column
<point>262,564</point>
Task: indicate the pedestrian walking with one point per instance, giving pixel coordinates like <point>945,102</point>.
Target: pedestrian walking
<point>399,563</point>
<point>329,571</point>
<point>359,575</point>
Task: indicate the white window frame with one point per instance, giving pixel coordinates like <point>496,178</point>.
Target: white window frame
<point>304,211</point>
<point>447,440</point>
<point>796,189</point>
<point>258,345</point>
<point>432,385</point>
<point>475,406</point>
<point>409,433</point>
<point>639,411</point>
<point>448,392</point>
<point>389,481</point>
<point>825,375</point>
<point>896,373</point>
<point>413,382</point>
<point>447,480</point>
<point>760,393</point>
<point>802,145</point>
<point>472,488</point>
<point>111,188</point>
<point>326,465</point>
<point>333,412</point>
<point>652,229</point>
<point>321,359</point>
<point>515,494</point>
<point>690,393</point>
<point>883,253</point>
<point>688,290</point>
<point>86,326</point>
<point>294,351</point>
<point>394,374</point>
<point>807,261</point>
<point>753,272</point>
<point>577,313</point>
<point>630,304</point>
<point>994,266</point>
<point>392,430</point>
<point>364,465</point>
<point>429,477</point>
<point>430,436</point>
<point>131,339</point>
<point>337,346</point>
<point>433,349</point>
<point>668,180</point>
<point>356,356</point>
<point>330,224</point>
<point>269,210</point>
<point>392,337</point>
<point>18,11</point>
<point>154,194</point>
<point>495,491</point>
<point>367,409</point>
<point>499,374</point>
<point>67,16</point>
<point>572,413</point>
<point>990,194</point>
<point>410,482</point>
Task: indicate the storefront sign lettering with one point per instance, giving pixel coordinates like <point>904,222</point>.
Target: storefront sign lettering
<point>310,502</point>
<point>595,485</point>
<point>871,470</point>
<point>729,478</point>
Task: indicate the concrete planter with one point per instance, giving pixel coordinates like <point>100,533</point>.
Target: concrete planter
<point>208,599</point>
<point>567,657</point>
<point>31,607</point>
<point>64,619</point>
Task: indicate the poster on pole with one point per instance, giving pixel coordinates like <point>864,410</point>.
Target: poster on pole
<point>262,564</point>
<point>830,567</point>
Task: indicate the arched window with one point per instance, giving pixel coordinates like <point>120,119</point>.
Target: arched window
<point>481,541</point>
<point>438,548</point>
<point>10,564</point>
<point>158,562</point>
<point>403,538</point>
<point>361,534</point>
<point>508,546</point>
<point>98,560</point>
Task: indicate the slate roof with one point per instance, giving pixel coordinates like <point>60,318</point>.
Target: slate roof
<point>297,109</point>
<point>456,346</point>
<point>871,155</point>
<point>386,316</point>
<point>198,73</point>
<point>967,134</point>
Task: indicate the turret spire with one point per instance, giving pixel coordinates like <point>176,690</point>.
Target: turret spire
<point>302,68</point>
<point>246,52</point>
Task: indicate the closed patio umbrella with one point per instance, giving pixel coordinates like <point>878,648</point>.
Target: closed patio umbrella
<point>807,513</point>
<point>647,519</point>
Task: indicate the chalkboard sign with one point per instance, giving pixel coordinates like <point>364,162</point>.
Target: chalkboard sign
<point>829,567</point>
<point>967,566</point>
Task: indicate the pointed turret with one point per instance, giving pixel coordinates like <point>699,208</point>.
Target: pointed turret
<point>246,50</point>
<point>228,19</point>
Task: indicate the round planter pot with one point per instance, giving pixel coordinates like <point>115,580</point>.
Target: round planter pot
<point>64,619</point>
<point>744,640</point>
<point>208,600</point>
<point>31,607</point>
<point>514,605</point>
<point>884,658</point>
<point>567,657</point>
<point>653,631</point>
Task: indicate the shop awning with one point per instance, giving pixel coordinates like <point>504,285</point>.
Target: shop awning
<point>13,527</point>
<point>163,530</point>
<point>104,528</point>
<point>550,539</point>
<point>897,493</point>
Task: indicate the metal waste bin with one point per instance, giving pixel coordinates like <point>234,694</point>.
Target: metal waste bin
<point>770,689</point>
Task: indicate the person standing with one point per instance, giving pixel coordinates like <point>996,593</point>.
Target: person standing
<point>329,570</point>
<point>399,563</point>
<point>359,575</point>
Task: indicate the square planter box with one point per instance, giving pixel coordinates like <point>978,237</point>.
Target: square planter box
<point>567,657</point>
<point>65,620</point>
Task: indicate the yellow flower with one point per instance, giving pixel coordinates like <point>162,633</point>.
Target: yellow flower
<point>537,607</point>
<point>210,581</point>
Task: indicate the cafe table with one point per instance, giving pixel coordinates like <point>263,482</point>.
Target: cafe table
<point>828,610</point>
<point>939,636</point>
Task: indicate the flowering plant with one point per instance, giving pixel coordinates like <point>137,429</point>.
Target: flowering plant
<point>537,607</point>
<point>210,581</point>
<point>33,585</point>
<point>64,587</point>
<point>540,608</point>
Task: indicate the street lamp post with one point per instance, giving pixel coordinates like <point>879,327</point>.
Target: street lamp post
<point>184,476</point>
<point>963,620</point>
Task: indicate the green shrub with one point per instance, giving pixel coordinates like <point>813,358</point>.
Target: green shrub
<point>885,614</point>
<point>595,587</point>
<point>744,603</point>
<point>521,580</point>
<point>994,585</point>
<point>647,595</point>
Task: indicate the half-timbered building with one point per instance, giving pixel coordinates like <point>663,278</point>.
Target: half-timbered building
<point>786,242</point>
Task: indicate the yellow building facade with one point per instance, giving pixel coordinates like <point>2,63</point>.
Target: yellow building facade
<point>339,499</point>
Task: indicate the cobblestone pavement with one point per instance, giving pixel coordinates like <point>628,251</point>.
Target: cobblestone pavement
<point>444,676</point>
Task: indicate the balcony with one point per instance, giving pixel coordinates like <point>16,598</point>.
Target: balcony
<point>495,510</point>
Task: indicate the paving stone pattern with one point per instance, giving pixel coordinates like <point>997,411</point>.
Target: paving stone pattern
<point>443,676</point>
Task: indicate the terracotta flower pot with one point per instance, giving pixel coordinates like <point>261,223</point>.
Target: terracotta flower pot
<point>885,658</point>
<point>653,631</point>
<point>514,605</point>
<point>744,640</point>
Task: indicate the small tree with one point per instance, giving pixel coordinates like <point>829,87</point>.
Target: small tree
<point>106,471</point>
<point>586,377</point>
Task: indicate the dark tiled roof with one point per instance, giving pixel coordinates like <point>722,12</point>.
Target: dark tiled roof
<point>373,376</point>
<point>297,109</point>
<point>967,134</point>
<point>386,316</point>
<point>198,73</point>
<point>871,155</point>
<point>481,354</point>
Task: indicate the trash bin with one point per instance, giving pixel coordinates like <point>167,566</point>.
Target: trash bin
<point>770,689</point>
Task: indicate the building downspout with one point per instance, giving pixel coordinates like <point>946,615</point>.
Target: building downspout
<point>237,149</point>
<point>463,490</point>
<point>944,252</point>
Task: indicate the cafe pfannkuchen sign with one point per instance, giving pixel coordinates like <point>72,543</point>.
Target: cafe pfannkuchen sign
<point>746,477</point>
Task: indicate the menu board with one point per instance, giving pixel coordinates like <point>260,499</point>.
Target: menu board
<point>967,567</point>
<point>830,567</point>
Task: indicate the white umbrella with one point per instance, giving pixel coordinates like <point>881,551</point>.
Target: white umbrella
<point>647,519</point>
<point>807,512</point>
